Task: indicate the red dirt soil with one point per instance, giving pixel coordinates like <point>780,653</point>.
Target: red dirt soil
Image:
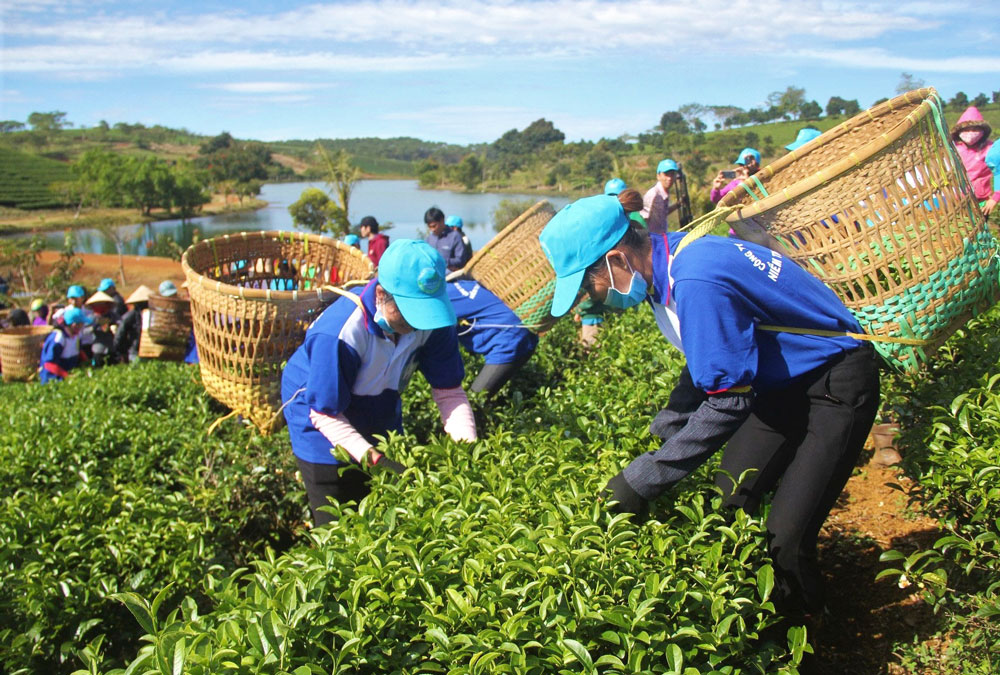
<point>139,269</point>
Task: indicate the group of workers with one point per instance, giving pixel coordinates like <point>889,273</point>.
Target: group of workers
<point>792,407</point>
<point>102,329</point>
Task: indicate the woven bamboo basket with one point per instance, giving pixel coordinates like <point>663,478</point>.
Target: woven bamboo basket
<point>881,209</point>
<point>20,351</point>
<point>253,295</point>
<point>514,267</point>
<point>150,349</point>
<point>169,320</point>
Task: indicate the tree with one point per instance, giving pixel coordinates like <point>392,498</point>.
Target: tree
<point>216,143</point>
<point>428,172</point>
<point>7,126</point>
<point>314,210</point>
<point>959,102</point>
<point>47,122</point>
<point>540,133</point>
<point>787,102</point>
<point>840,106</point>
<point>852,107</point>
<point>599,164</point>
<point>469,172</point>
<point>907,82</point>
<point>980,100</point>
<point>189,190</point>
<point>810,111</point>
<point>341,176</point>
<point>118,236</point>
<point>673,121</point>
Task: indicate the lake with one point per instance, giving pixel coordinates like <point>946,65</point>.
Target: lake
<point>400,203</point>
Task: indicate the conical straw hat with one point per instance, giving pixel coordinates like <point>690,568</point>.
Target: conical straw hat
<point>140,294</point>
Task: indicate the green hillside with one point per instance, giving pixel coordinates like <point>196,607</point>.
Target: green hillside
<point>25,180</point>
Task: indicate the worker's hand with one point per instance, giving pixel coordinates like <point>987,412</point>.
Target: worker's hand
<point>629,501</point>
<point>389,465</point>
<point>988,207</point>
<point>719,182</point>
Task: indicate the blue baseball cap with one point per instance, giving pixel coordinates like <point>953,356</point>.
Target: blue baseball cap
<point>576,238</point>
<point>667,165</point>
<point>805,135</point>
<point>106,284</point>
<point>614,186</point>
<point>167,288</point>
<point>351,239</point>
<point>74,315</point>
<point>413,273</point>
<point>453,221</point>
<point>747,152</point>
<point>75,291</point>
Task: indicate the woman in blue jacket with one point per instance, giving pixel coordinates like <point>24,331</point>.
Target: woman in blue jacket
<point>61,350</point>
<point>342,386</point>
<point>794,407</point>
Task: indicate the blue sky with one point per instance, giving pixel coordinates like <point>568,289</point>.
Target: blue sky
<point>467,71</point>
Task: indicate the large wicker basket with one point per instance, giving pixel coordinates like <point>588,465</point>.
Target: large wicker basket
<point>20,351</point>
<point>253,295</point>
<point>169,320</point>
<point>881,209</point>
<point>514,267</point>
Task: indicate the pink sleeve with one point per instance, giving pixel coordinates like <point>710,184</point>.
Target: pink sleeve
<point>340,432</point>
<point>456,413</point>
<point>715,195</point>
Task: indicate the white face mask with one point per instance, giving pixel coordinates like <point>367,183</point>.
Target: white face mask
<point>971,137</point>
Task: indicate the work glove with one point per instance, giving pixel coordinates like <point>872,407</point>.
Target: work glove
<point>390,465</point>
<point>629,501</point>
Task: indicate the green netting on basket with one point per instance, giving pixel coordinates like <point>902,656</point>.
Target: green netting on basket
<point>538,308</point>
<point>976,276</point>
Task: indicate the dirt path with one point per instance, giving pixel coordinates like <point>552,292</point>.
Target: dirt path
<point>867,617</point>
<point>139,269</point>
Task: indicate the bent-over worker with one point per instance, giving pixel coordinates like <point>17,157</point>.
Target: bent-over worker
<point>342,386</point>
<point>795,407</point>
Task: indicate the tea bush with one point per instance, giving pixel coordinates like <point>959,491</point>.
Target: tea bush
<point>497,556</point>
<point>952,449</point>
<point>108,484</point>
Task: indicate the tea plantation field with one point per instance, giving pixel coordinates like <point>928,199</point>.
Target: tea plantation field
<point>131,541</point>
<point>25,180</point>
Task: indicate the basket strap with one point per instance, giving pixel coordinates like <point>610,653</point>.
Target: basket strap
<point>475,324</point>
<point>354,298</point>
<point>836,333</point>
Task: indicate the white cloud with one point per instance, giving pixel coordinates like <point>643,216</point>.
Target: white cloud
<point>880,59</point>
<point>263,87</point>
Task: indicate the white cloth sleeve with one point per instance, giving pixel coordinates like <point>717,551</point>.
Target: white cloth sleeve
<point>339,431</point>
<point>456,413</point>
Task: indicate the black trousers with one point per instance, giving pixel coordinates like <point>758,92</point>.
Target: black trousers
<point>804,441</point>
<point>335,482</point>
<point>493,376</point>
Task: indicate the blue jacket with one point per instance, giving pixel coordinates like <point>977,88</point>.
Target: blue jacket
<point>451,247</point>
<point>723,289</point>
<point>347,365</point>
<point>495,330</point>
<point>61,349</point>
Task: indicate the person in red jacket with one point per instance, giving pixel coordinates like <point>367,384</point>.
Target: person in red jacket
<point>377,243</point>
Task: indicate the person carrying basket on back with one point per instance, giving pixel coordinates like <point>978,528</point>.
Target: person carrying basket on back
<point>342,386</point>
<point>796,408</point>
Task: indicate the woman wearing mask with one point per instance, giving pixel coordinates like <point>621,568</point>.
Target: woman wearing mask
<point>972,139</point>
<point>343,385</point>
<point>796,408</point>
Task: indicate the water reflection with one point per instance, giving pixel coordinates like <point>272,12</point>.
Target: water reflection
<point>399,204</point>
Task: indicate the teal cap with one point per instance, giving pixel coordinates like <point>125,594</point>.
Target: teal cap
<point>167,289</point>
<point>351,239</point>
<point>576,238</point>
<point>667,165</point>
<point>747,152</point>
<point>453,221</point>
<point>805,135</point>
<point>614,186</point>
<point>106,284</point>
<point>413,273</point>
<point>75,291</point>
<point>74,315</point>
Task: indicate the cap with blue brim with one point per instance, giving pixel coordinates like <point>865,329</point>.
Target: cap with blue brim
<point>106,283</point>
<point>75,291</point>
<point>615,186</point>
<point>747,152</point>
<point>413,273</point>
<point>454,221</point>
<point>75,315</point>
<point>351,239</point>
<point>667,165</point>
<point>577,237</point>
<point>805,135</point>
